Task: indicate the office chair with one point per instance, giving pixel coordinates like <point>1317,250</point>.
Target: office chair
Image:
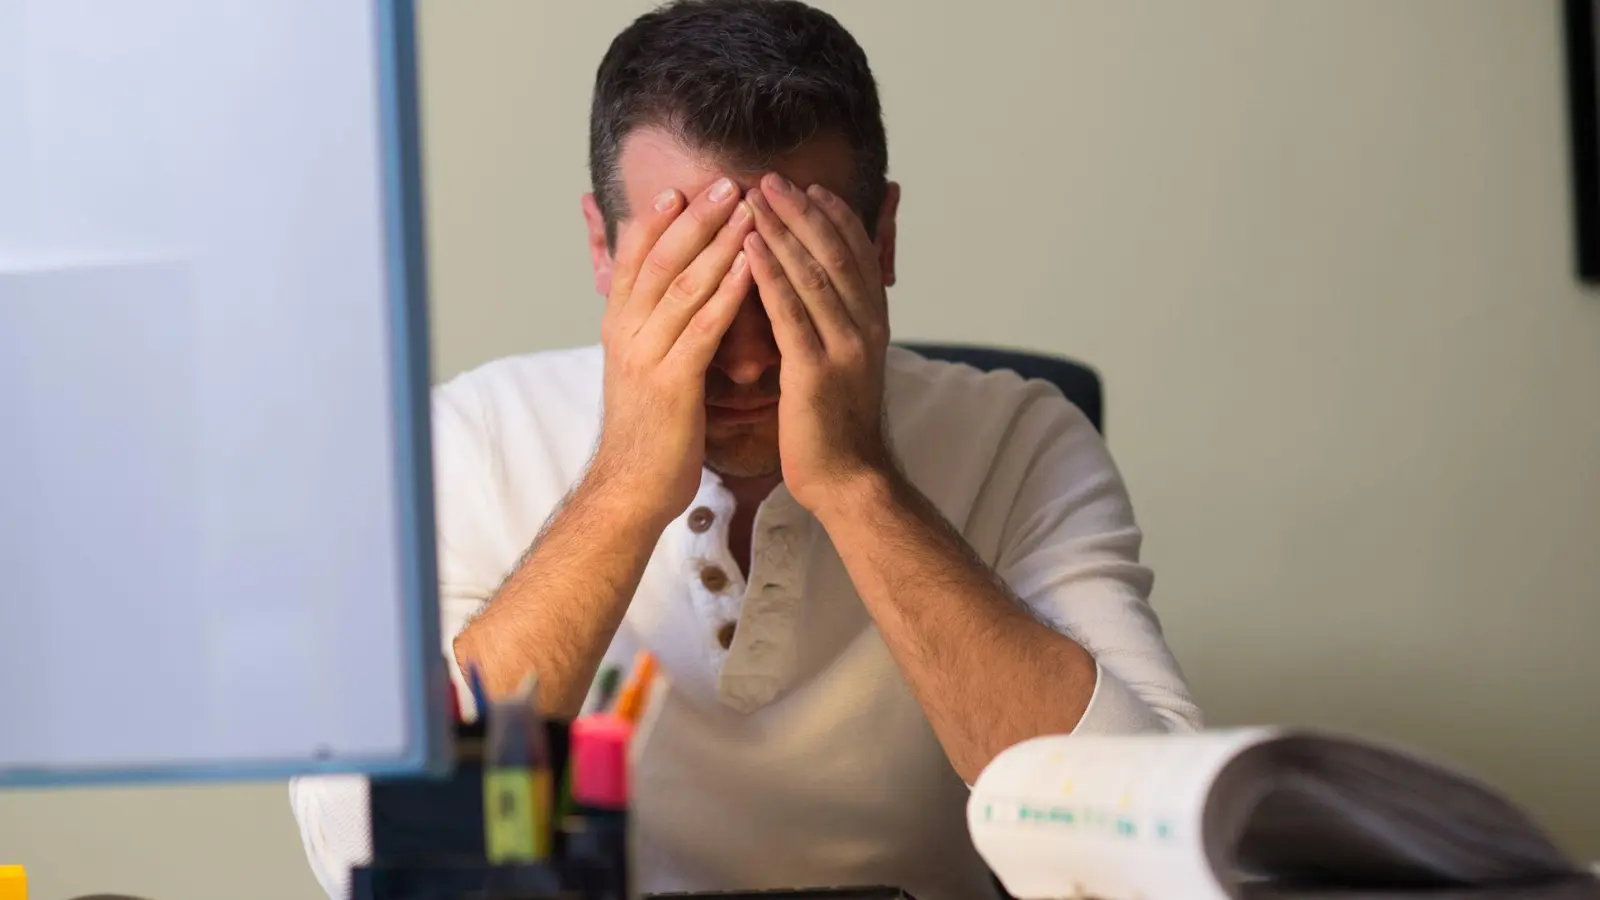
<point>1078,382</point>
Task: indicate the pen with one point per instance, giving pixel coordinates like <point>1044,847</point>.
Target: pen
<point>480,697</point>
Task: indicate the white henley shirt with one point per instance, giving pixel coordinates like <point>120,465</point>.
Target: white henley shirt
<point>796,755</point>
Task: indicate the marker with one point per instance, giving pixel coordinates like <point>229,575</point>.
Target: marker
<point>606,686</point>
<point>631,702</point>
<point>602,693</point>
<point>13,883</point>
<point>599,759</point>
<point>517,789</point>
<point>597,829</point>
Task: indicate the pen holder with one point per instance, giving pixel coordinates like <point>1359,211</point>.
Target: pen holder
<point>428,840</point>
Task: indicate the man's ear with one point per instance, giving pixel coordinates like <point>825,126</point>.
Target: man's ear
<point>599,252</point>
<point>886,232</point>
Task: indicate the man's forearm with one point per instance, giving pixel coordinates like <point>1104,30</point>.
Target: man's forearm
<point>987,673</point>
<point>559,609</point>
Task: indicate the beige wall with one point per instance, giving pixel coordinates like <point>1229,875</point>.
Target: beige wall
<point>1319,251</point>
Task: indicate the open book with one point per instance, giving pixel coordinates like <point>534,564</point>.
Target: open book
<point>1254,813</point>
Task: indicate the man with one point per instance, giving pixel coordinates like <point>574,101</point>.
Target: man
<point>864,573</point>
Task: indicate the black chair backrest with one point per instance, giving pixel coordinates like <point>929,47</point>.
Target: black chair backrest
<point>1077,381</point>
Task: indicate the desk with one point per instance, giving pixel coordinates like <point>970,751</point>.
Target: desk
<point>537,883</point>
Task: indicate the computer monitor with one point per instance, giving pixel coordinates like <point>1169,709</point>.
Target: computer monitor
<point>216,551</point>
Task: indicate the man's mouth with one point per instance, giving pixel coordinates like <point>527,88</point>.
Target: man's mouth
<point>743,404</point>
<point>741,410</point>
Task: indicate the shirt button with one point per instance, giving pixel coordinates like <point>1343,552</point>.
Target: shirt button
<point>714,579</point>
<point>725,634</point>
<point>700,519</point>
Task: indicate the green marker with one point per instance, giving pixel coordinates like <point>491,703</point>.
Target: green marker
<point>606,687</point>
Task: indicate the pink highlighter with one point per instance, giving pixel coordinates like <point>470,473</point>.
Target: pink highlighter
<point>597,830</point>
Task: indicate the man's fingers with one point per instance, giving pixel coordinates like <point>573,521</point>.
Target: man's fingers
<point>819,231</point>
<point>677,247</point>
<point>694,286</point>
<point>649,225</point>
<point>806,277</point>
<point>697,341</point>
<point>851,228</point>
<point>791,324</point>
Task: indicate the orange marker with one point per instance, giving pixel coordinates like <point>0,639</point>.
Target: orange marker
<point>636,690</point>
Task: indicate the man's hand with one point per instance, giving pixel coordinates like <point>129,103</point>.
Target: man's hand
<point>676,287</point>
<point>818,274</point>
<point>678,281</point>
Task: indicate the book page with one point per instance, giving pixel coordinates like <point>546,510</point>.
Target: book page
<point>1113,817</point>
<point>1338,811</point>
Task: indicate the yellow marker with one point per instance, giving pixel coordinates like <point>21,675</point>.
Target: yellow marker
<point>13,883</point>
<point>1127,800</point>
<point>516,813</point>
<point>518,787</point>
<point>1066,787</point>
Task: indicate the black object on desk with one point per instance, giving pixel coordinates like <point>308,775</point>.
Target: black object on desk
<point>428,839</point>
<point>794,894</point>
<point>428,843</point>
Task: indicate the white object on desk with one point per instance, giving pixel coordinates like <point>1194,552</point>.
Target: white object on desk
<point>1101,817</point>
<point>1252,813</point>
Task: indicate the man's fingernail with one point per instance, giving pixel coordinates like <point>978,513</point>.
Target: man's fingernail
<point>740,214</point>
<point>666,200</point>
<point>819,193</point>
<point>722,190</point>
<point>780,183</point>
<point>738,263</point>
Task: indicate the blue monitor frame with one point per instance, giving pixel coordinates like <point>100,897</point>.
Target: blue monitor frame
<point>428,735</point>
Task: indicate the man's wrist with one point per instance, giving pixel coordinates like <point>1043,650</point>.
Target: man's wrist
<point>606,492</point>
<point>861,495</point>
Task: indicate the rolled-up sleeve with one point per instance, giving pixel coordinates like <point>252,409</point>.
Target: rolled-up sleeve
<point>1070,552</point>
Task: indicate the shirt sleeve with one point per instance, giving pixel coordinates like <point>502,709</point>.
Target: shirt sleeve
<point>335,828</point>
<point>332,811</point>
<point>1070,552</point>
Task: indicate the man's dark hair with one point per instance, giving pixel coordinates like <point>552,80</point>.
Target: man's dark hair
<point>744,80</point>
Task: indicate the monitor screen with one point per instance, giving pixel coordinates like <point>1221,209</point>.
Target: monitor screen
<point>216,552</point>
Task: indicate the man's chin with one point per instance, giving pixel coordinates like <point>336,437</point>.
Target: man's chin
<point>744,456</point>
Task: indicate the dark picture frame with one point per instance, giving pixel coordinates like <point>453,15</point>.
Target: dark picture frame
<point>1583,98</point>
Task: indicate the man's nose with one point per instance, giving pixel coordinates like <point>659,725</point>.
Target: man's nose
<point>748,349</point>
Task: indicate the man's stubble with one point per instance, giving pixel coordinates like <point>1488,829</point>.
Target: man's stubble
<point>745,451</point>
